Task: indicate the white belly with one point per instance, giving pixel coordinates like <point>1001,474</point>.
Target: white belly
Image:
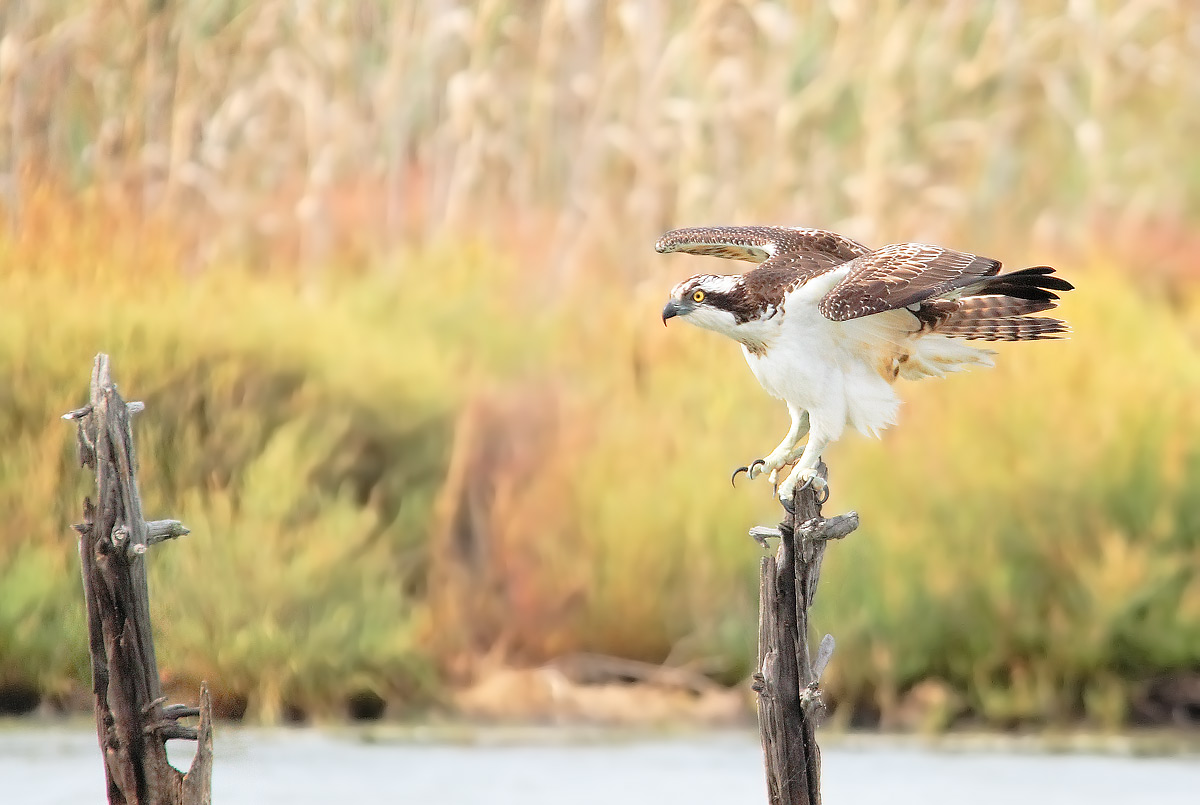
<point>825,368</point>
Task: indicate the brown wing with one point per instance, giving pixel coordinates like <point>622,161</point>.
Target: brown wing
<point>805,250</point>
<point>900,275</point>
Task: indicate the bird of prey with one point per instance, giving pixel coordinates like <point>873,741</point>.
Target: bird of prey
<point>827,325</point>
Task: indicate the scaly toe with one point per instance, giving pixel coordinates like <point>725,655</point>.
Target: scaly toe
<point>799,481</point>
<point>812,479</point>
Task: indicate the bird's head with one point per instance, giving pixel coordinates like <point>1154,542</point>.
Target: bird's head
<point>709,301</point>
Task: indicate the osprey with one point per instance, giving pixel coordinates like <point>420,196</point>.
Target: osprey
<point>827,325</point>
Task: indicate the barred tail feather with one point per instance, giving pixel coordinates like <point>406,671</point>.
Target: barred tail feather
<point>1020,328</point>
<point>998,308</point>
<point>995,307</point>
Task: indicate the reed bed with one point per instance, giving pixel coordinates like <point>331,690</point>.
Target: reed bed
<point>571,129</point>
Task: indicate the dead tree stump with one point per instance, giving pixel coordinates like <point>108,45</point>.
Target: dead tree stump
<point>132,720</point>
<point>789,701</point>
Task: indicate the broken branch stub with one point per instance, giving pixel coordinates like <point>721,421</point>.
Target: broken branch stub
<point>132,721</point>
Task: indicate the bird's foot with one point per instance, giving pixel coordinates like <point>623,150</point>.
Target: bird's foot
<point>773,463</point>
<point>800,479</point>
<point>753,471</point>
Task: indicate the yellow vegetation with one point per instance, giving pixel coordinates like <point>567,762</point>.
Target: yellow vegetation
<point>1030,533</point>
<point>382,275</point>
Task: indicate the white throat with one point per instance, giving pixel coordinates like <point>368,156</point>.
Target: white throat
<point>756,335</point>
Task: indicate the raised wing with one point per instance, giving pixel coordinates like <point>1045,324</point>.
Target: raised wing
<point>900,275</point>
<point>805,250</point>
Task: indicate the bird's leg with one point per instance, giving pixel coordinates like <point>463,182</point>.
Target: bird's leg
<point>780,455</point>
<point>805,471</point>
<point>787,450</point>
<point>790,458</point>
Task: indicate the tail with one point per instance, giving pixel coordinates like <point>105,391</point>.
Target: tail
<point>1036,328</point>
<point>997,308</point>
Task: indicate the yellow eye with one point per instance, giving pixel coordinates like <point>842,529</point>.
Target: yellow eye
<point>698,296</point>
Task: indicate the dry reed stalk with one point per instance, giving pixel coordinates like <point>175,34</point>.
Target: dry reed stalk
<point>894,120</point>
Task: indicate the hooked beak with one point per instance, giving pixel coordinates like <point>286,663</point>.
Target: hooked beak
<point>671,311</point>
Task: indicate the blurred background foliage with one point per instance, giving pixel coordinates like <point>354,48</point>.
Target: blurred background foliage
<point>383,275</point>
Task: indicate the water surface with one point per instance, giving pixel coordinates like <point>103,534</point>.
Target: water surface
<point>40,764</point>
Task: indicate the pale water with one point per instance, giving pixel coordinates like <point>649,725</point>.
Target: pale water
<point>62,765</point>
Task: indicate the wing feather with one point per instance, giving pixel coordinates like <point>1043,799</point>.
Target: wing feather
<point>900,275</point>
<point>806,250</point>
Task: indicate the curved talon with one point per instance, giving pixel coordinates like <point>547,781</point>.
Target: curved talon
<point>750,471</point>
<point>819,486</point>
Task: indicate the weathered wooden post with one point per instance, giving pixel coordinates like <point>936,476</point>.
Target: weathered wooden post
<point>132,720</point>
<point>789,701</point>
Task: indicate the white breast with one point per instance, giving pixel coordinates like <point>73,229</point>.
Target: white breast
<point>828,368</point>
